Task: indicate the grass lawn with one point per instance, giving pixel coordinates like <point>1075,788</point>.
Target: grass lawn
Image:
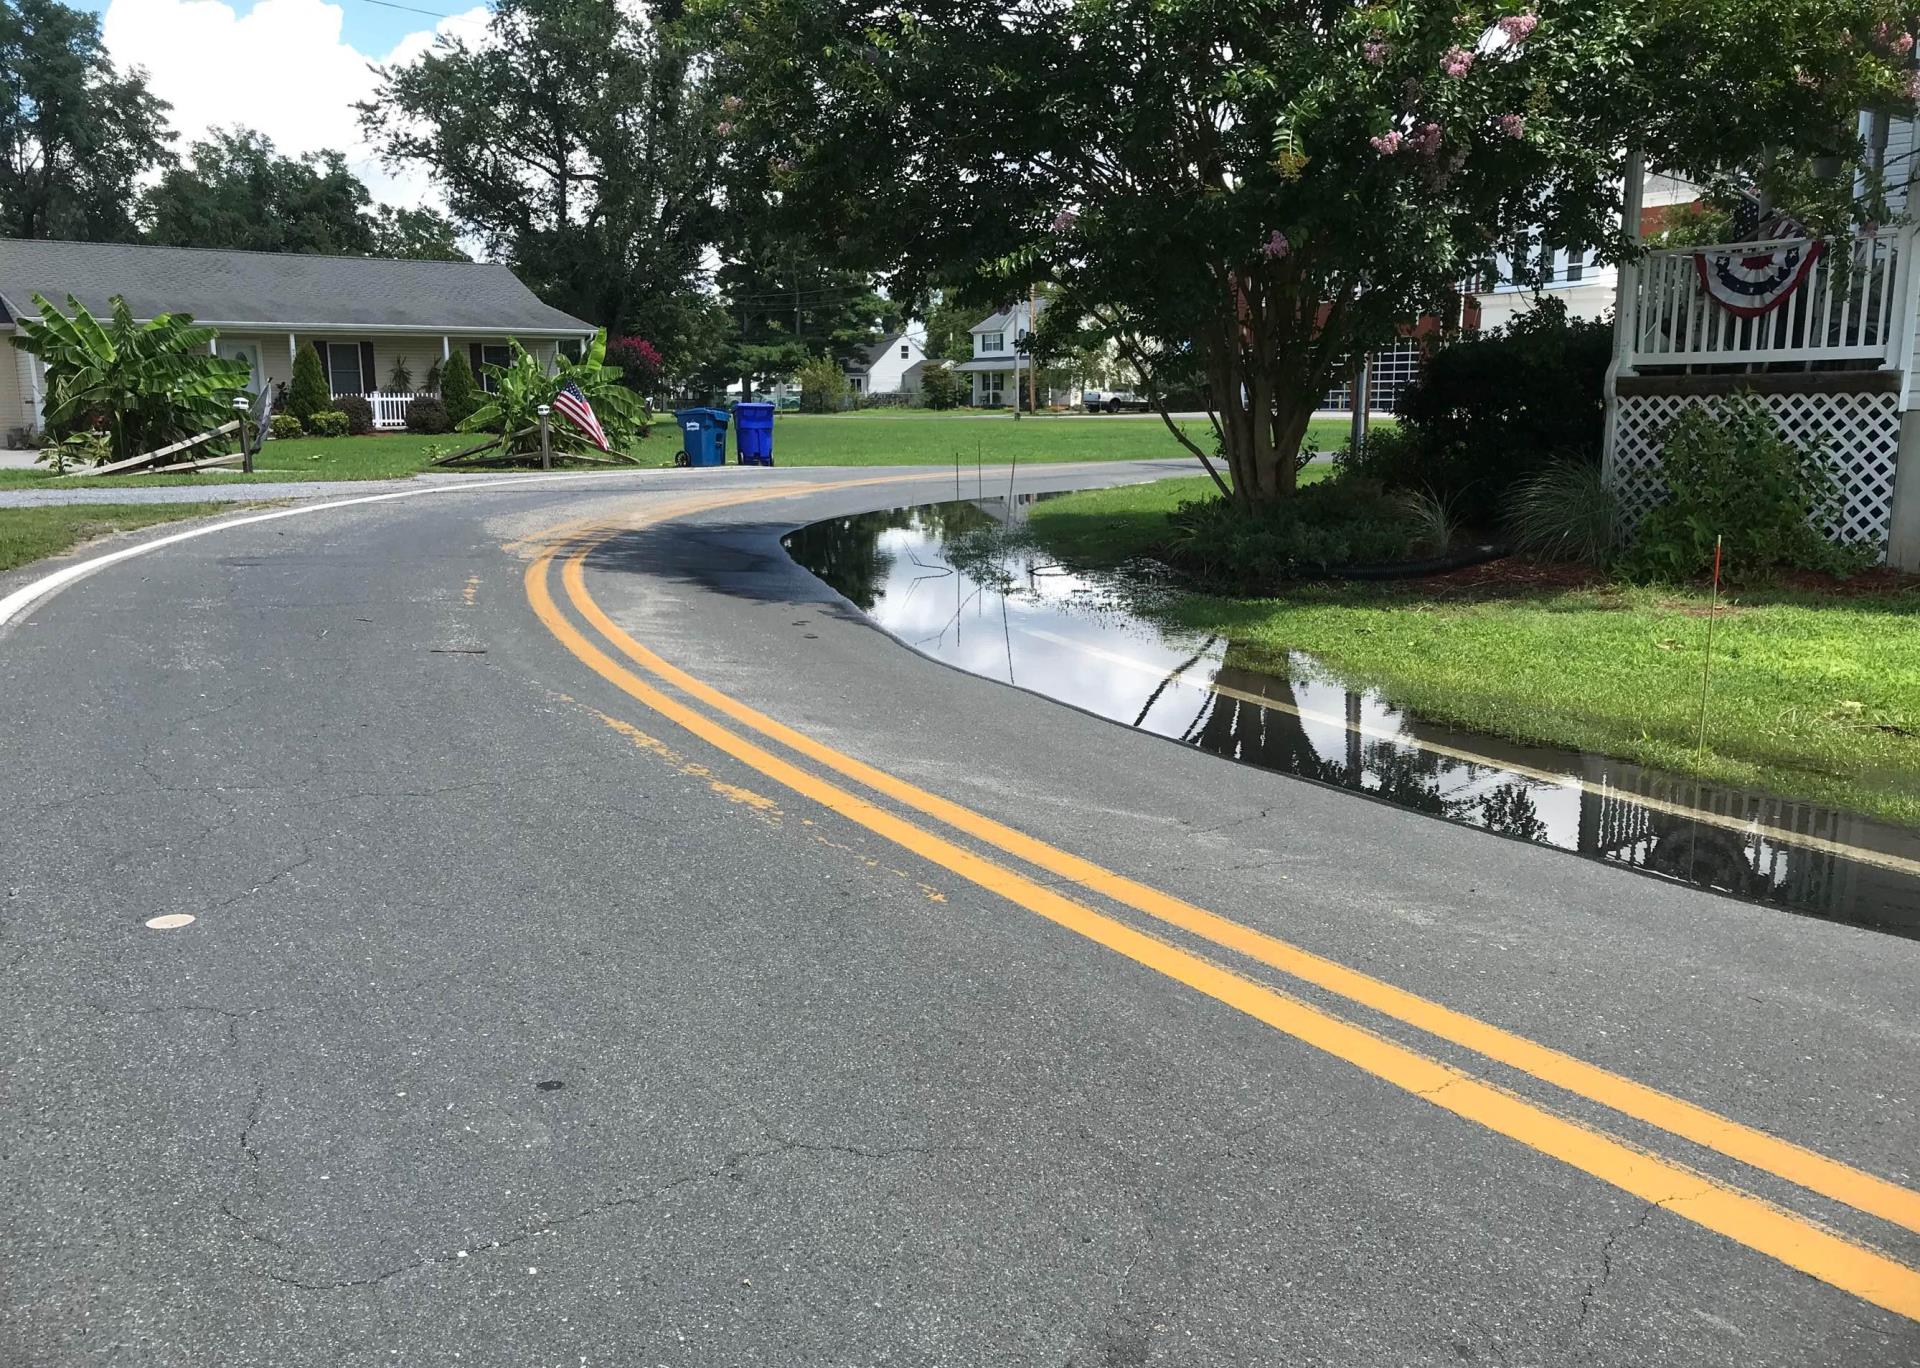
<point>1814,695</point>
<point>27,534</point>
<point>916,437</point>
<point>875,437</point>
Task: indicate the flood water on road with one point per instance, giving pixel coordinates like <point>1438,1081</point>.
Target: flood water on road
<point>1021,618</point>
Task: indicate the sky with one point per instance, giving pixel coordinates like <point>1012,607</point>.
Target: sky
<point>292,69</point>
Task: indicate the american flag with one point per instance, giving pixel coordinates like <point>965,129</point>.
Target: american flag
<point>573,406</point>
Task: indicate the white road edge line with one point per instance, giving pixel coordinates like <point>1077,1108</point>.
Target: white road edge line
<point>20,600</point>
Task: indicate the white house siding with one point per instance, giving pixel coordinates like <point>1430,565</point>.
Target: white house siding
<point>420,352</point>
<point>16,403</point>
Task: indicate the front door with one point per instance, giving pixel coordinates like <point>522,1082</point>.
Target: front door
<point>248,352</point>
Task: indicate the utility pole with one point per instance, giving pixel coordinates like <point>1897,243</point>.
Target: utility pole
<point>1033,374</point>
<point>1361,402</point>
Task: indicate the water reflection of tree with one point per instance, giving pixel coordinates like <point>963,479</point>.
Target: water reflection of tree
<point>846,552</point>
<point>1272,734</point>
<point>1510,810</point>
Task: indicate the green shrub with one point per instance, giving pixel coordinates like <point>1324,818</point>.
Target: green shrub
<point>328,423</point>
<point>1389,456</point>
<point>457,389</point>
<point>77,450</point>
<point>823,385</point>
<point>1732,475</point>
<point>308,393</point>
<point>428,415</point>
<point>284,425</point>
<point>940,387</point>
<point>359,411</point>
<point>1566,513</point>
<point>1491,409</point>
<point>1335,523</point>
<point>401,380</point>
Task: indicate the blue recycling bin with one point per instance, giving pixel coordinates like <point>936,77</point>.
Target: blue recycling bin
<point>753,433</point>
<point>703,436</point>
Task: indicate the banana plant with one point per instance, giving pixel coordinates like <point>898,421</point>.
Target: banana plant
<point>143,384</point>
<point>521,386</point>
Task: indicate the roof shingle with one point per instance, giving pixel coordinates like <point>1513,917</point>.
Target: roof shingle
<point>279,289</point>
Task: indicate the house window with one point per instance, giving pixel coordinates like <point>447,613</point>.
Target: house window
<point>993,342</point>
<point>904,350</point>
<point>493,354</point>
<point>993,389</point>
<point>343,368</point>
<point>1576,264</point>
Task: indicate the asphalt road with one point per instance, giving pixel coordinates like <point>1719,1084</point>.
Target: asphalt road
<point>539,1010</point>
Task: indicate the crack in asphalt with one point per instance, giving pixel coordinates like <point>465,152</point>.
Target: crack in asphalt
<point>552,1225</point>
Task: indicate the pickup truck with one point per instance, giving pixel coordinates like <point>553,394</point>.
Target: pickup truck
<point>1114,401</point>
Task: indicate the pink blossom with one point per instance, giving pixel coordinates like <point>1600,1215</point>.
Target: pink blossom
<point>1064,220</point>
<point>724,128</point>
<point>731,104</point>
<point>1913,85</point>
<point>1277,246</point>
<point>1375,53</point>
<point>1457,62</point>
<point>782,165</point>
<point>1386,144</point>
<point>1513,125</point>
<point>1897,41</point>
<point>1518,26</point>
<point>1426,140</point>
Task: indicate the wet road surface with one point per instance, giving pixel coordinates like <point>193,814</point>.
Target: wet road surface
<point>546,1002</point>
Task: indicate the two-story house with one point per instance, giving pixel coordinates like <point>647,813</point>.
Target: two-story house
<point>998,369</point>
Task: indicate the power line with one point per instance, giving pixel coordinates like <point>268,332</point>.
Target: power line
<point>431,14</point>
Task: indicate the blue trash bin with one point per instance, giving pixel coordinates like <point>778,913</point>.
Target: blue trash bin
<point>753,433</point>
<point>703,436</point>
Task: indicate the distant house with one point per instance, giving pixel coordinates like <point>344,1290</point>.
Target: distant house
<point>996,359</point>
<point>893,365</point>
<point>362,314</point>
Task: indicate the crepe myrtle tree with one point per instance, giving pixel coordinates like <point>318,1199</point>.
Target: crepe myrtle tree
<point>1252,190</point>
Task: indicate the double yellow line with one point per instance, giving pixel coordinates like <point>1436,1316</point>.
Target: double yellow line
<point>1791,1238</point>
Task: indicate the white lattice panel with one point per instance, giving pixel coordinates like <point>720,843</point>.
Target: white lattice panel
<point>1862,434</point>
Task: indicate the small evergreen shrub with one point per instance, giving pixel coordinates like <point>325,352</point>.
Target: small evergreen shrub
<point>359,411</point>
<point>308,393</point>
<point>458,389</point>
<point>285,425</point>
<point>429,415</point>
<point>1732,475</point>
<point>940,387</point>
<point>1490,409</point>
<point>1335,523</point>
<point>823,385</point>
<point>328,423</point>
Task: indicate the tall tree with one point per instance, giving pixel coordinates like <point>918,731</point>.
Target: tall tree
<point>1261,187</point>
<point>421,234</point>
<point>575,141</point>
<point>237,191</point>
<point>75,134</point>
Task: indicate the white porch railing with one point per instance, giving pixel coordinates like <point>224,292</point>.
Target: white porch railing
<point>390,410</point>
<point>1848,308</point>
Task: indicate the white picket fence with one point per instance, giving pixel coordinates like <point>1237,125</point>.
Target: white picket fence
<point>1849,308</point>
<point>390,410</point>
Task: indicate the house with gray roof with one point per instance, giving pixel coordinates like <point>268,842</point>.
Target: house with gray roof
<point>371,319</point>
<point>893,365</point>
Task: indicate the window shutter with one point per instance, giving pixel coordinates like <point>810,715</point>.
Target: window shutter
<point>475,357</point>
<point>367,383</point>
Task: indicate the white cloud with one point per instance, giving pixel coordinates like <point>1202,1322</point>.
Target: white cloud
<point>281,68</point>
